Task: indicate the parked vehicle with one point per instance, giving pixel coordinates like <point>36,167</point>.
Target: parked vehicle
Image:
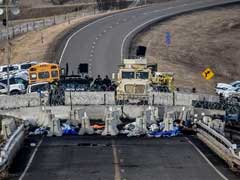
<point>24,66</point>
<point>39,87</point>
<point>5,67</point>
<point>15,80</point>
<point>14,89</point>
<point>235,91</point>
<point>22,74</point>
<point>75,83</point>
<point>222,87</point>
<point>3,88</point>
<point>44,72</point>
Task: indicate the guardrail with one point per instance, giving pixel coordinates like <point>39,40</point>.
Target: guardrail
<point>13,144</point>
<point>41,23</point>
<point>220,145</point>
<point>25,26</point>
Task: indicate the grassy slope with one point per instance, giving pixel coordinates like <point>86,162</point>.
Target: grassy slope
<point>199,40</point>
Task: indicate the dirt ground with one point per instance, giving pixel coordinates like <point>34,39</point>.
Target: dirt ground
<point>43,3</point>
<point>205,39</point>
<point>38,45</point>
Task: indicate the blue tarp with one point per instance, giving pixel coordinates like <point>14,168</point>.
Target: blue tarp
<point>68,130</point>
<point>170,133</point>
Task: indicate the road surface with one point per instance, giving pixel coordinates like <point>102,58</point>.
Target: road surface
<point>103,43</point>
<point>109,158</point>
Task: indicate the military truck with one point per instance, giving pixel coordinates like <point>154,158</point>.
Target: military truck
<point>135,81</point>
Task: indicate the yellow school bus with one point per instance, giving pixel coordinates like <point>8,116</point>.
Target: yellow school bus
<point>44,72</point>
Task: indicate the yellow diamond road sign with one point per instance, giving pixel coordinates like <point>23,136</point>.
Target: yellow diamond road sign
<point>208,74</point>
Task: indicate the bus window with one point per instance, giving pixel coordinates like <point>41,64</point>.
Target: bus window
<point>54,74</point>
<point>43,75</point>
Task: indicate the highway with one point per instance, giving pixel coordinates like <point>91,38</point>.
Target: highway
<point>103,43</point>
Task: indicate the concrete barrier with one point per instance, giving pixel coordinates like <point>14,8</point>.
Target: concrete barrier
<point>157,98</point>
<point>27,100</point>
<point>179,99</point>
<point>103,98</point>
<point>183,99</point>
<point>89,98</point>
<point>11,147</point>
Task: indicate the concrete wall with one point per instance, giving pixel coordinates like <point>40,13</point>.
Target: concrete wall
<point>103,98</point>
<point>186,99</point>
<point>28,100</point>
<point>89,98</point>
<point>161,99</point>
<point>179,99</point>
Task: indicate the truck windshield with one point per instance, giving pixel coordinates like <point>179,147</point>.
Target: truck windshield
<point>142,75</point>
<point>128,75</point>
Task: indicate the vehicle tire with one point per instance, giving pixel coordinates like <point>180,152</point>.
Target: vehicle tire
<point>15,92</point>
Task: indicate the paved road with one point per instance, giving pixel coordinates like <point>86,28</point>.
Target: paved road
<point>100,42</point>
<point>107,158</point>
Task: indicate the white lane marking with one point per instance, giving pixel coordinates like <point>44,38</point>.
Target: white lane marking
<point>206,159</point>
<point>30,160</point>
<point>81,29</point>
<point>104,31</point>
<point>96,38</point>
<point>94,42</point>
<point>93,47</point>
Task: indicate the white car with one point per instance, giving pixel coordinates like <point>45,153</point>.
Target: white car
<point>22,74</point>
<point>14,89</point>
<point>231,92</point>
<point>39,87</point>
<point>222,87</point>
<point>5,68</point>
<point>24,66</point>
<point>235,84</point>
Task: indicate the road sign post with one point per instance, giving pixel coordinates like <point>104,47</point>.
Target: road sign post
<point>168,42</point>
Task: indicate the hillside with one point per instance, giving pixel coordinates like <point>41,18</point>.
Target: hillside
<point>199,40</point>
